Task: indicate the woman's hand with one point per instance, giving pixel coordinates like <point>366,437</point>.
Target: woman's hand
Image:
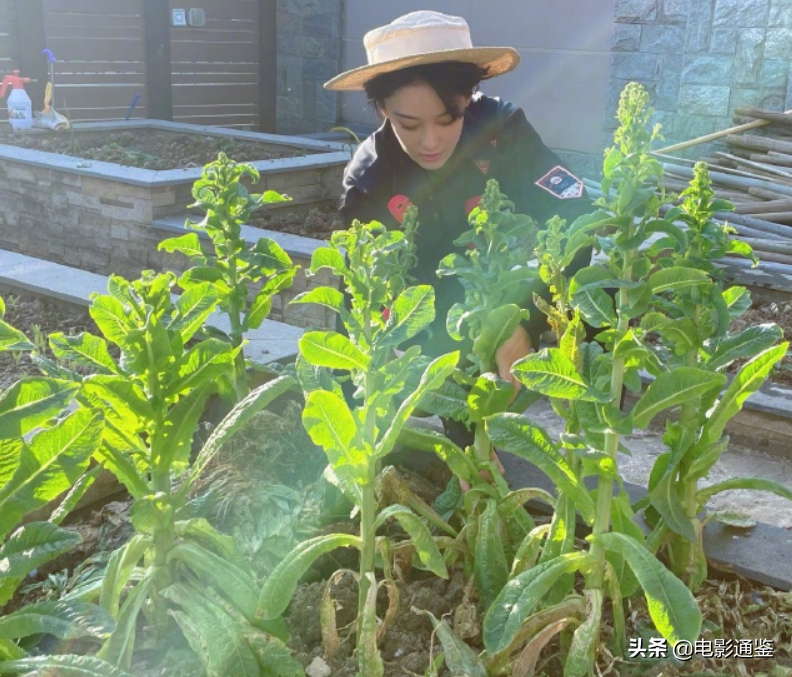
<point>514,348</point>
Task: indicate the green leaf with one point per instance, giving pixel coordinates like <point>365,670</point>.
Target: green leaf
<point>412,311</point>
<point>552,373</point>
<point>109,315</point>
<point>274,657</point>
<point>433,376</point>
<point>86,350</point>
<point>458,656</point>
<point>13,339</point>
<point>259,309</point>
<point>424,439</point>
<point>205,363</point>
<point>330,424</point>
<point>671,605</point>
<point>194,307</point>
<point>275,258</point>
<point>235,583</point>
<point>672,388</point>
<point>420,536</point>
<point>64,620</point>
<point>324,257</point>
<point>489,395</point>
<point>28,404</point>
<point>675,278</point>
<point>121,401</point>
<point>750,483</point>
<point>323,296</point>
<point>448,401</point>
<point>171,449</point>
<point>66,665</point>
<point>667,499</point>
<point>749,342</point>
<point>519,436</point>
<point>239,417</point>
<point>521,596</point>
<point>28,548</point>
<point>49,464</point>
<point>188,244</point>
<point>594,303</point>
<point>214,632</point>
<point>333,350</point>
<point>490,568</point>
<point>118,648</point>
<point>498,326</point>
<point>277,591</point>
<point>748,380</point>
<point>582,650</point>
<point>122,563</point>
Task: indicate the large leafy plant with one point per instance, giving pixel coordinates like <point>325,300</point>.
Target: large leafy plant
<point>357,433</point>
<point>692,323</point>
<point>176,568</point>
<point>235,268</point>
<point>45,450</point>
<point>592,377</point>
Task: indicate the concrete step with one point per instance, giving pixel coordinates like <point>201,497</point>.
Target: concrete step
<point>271,342</point>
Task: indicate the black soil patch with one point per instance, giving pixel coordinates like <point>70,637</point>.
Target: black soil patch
<point>147,149</point>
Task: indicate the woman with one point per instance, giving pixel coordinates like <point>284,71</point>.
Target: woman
<point>439,143</point>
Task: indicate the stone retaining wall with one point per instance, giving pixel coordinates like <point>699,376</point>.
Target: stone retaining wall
<point>700,59</point>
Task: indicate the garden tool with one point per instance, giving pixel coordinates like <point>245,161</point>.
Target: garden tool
<point>49,118</point>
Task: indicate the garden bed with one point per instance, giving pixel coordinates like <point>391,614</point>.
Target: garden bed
<point>148,148</point>
<point>54,200</point>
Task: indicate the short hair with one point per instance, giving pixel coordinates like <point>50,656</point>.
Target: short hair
<point>449,79</point>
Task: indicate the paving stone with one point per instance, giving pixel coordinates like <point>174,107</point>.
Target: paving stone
<point>634,66</point>
<point>748,59</point>
<point>723,40</point>
<point>675,11</point>
<point>778,44</point>
<point>636,11</point>
<point>743,13</point>
<point>626,38</point>
<point>773,73</point>
<point>660,39</point>
<point>707,70</point>
<point>704,100</point>
<point>780,14</point>
<point>699,27</point>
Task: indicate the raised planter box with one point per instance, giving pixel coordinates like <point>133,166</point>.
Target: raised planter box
<point>97,215</point>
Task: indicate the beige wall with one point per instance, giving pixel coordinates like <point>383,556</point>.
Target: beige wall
<point>565,48</point>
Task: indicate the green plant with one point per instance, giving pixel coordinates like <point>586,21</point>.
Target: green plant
<point>355,440</point>
<point>585,383</point>
<point>693,322</point>
<point>176,568</point>
<point>44,453</point>
<point>235,266</point>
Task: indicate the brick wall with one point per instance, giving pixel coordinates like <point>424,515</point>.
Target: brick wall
<point>309,54</point>
<point>700,59</point>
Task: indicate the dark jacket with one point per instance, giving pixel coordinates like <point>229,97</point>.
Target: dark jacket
<point>496,142</point>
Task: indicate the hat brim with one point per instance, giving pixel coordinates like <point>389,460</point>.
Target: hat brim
<point>498,60</point>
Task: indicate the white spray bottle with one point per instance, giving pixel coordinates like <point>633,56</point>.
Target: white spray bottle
<point>20,107</point>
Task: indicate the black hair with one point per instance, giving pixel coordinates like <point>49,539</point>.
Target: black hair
<point>449,79</point>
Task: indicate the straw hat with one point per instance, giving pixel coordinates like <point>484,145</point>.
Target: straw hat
<point>422,38</point>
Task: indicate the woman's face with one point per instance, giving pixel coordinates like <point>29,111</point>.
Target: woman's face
<point>425,129</point>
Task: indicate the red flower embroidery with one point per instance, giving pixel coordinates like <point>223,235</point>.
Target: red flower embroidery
<point>398,206</point>
<point>471,203</point>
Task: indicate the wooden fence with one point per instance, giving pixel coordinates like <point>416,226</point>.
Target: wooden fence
<point>110,50</point>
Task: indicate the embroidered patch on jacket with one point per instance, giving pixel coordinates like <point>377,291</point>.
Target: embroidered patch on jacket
<point>561,183</point>
<point>483,165</point>
<point>471,203</point>
<point>398,205</point>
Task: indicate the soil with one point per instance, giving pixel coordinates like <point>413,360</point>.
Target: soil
<point>145,148</point>
<point>779,312</point>
<point>319,223</point>
<point>37,318</point>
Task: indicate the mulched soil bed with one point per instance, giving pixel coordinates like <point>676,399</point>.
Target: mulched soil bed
<point>147,149</point>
